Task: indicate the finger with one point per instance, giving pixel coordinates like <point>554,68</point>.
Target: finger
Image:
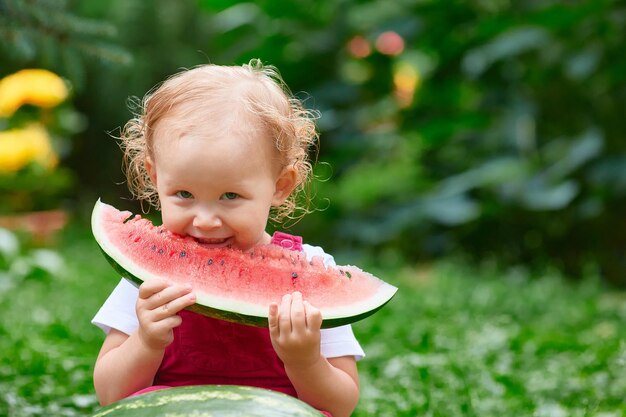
<point>313,316</point>
<point>159,334</point>
<point>168,323</point>
<point>167,295</point>
<point>272,320</point>
<point>175,321</point>
<point>149,288</point>
<point>298,318</point>
<point>284,314</point>
<point>174,306</point>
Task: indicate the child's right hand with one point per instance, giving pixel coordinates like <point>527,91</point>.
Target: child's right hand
<point>157,307</point>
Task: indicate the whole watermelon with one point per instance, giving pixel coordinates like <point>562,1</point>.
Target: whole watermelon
<point>210,401</point>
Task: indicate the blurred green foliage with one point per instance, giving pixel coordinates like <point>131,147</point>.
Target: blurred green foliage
<point>488,127</point>
<point>48,34</point>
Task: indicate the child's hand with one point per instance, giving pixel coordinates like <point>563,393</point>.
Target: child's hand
<point>295,331</point>
<point>157,305</point>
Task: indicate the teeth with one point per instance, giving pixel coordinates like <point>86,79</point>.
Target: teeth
<point>212,241</point>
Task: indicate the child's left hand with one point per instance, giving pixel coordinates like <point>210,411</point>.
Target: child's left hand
<point>295,331</point>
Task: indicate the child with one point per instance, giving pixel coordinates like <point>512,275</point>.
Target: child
<point>219,150</point>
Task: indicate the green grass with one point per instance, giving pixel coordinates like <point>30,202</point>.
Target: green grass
<point>458,342</point>
<point>47,344</point>
<point>453,342</point>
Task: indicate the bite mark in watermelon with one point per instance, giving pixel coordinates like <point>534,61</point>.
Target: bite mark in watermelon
<point>230,284</point>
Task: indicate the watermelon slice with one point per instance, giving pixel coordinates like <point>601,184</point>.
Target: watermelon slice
<point>231,284</point>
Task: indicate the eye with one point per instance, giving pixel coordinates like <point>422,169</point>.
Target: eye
<point>229,196</point>
<point>184,194</point>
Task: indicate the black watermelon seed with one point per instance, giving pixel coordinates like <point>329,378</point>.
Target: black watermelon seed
<point>294,275</point>
<point>222,262</point>
<point>183,254</point>
<point>210,262</point>
<point>153,247</point>
<point>342,273</point>
<point>161,251</point>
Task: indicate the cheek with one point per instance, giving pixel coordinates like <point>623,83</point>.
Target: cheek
<point>250,222</point>
<point>167,222</point>
<point>172,220</point>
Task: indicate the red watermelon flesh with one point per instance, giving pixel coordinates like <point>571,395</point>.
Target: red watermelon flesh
<point>231,284</point>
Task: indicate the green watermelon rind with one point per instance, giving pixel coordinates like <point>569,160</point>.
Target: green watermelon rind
<point>210,400</point>
<point>228,309</point>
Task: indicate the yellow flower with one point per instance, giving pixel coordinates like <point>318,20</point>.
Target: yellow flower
<point>406,79</point>
<point>19,147</point>
<point>38,87</point>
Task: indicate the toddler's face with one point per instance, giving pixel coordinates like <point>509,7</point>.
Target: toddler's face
<point>218,190</point>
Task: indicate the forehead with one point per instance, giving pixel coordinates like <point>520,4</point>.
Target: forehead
<point>207,165</point>
<point>218,142</point>
<point>217,109</point>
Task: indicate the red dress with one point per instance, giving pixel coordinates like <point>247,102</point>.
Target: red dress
<point>212,351</point>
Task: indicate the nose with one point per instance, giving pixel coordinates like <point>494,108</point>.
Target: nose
<point>206,219</point>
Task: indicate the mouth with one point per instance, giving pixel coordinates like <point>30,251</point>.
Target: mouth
<point>214,242</point>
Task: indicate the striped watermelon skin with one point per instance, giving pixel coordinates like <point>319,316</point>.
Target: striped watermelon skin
<point>230,284</point>
<point>210,401</point>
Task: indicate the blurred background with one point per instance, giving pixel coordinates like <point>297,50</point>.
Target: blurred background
<point>488,129</point>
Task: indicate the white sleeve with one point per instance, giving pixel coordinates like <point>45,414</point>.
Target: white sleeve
<point>118,311</point>
<point>338,341</point>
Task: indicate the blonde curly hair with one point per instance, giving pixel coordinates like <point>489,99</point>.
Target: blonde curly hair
<point>205,93</point>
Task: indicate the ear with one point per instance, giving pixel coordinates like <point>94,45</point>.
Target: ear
<point>285,184</point>
<point>149,164</point>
